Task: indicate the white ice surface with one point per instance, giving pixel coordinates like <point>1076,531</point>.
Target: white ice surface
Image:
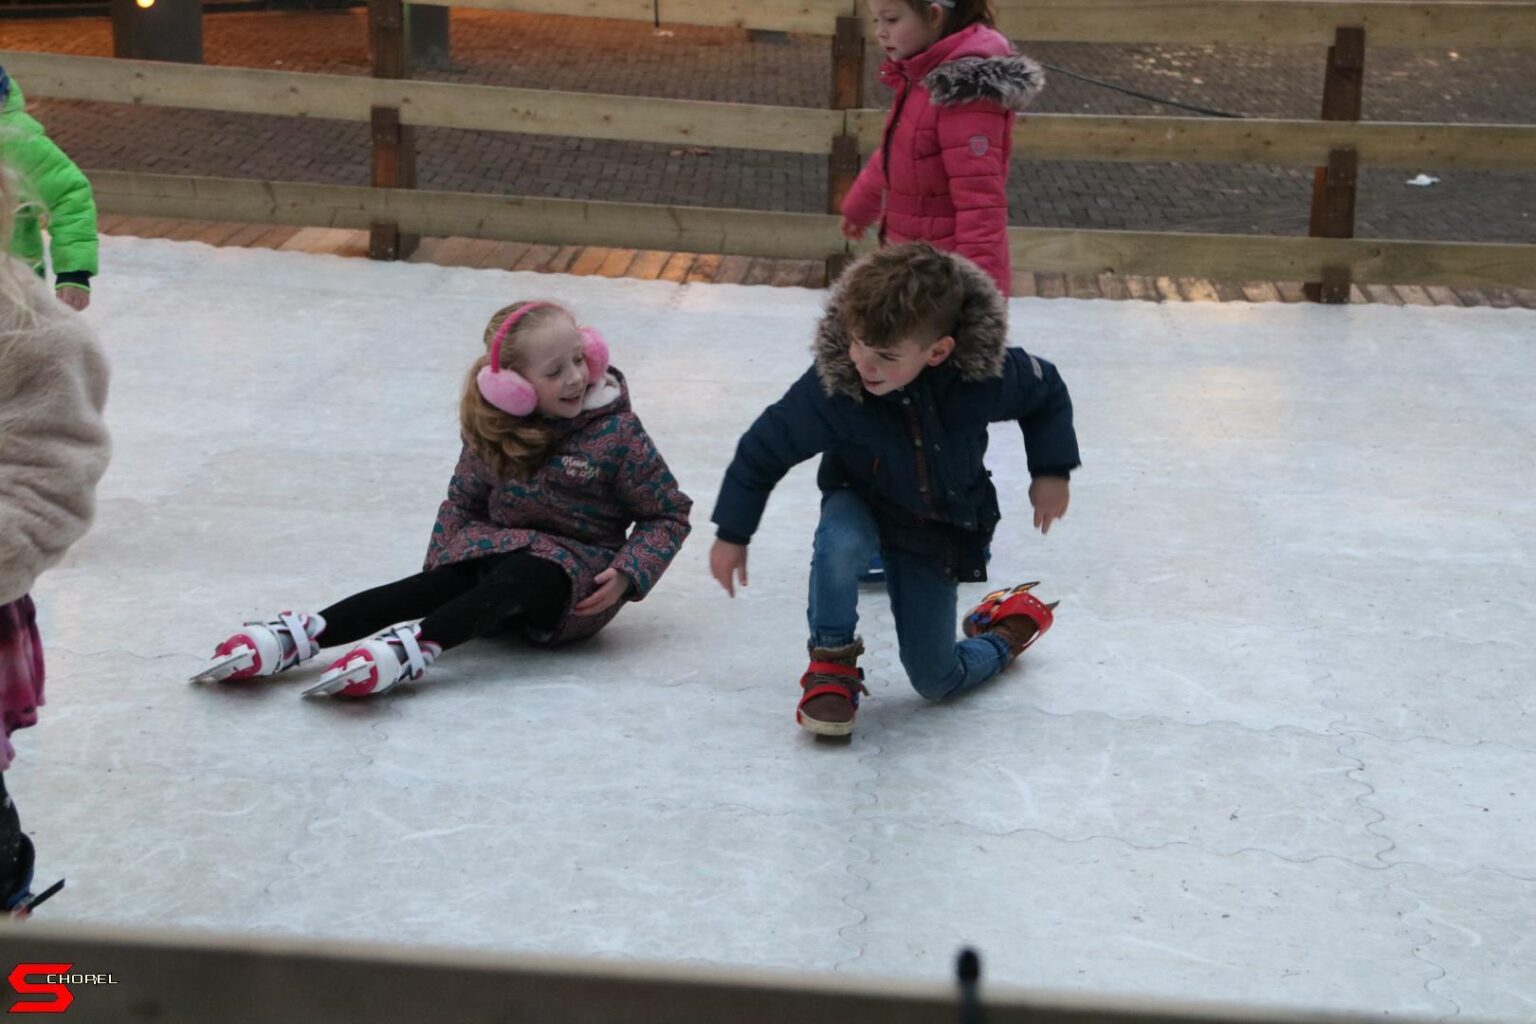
<point>1279,747</point>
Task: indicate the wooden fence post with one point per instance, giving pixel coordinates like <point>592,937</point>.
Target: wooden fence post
<point>394,144</point>
<point>847,94</point>
<point>1333,187</point>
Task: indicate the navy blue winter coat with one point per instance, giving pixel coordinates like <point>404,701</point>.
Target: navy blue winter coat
<point>915,455</point>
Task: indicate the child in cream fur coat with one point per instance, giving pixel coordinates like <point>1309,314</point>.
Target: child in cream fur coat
<point>53,450</point>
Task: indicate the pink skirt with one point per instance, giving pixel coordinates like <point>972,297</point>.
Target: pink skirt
<point>21,671</point>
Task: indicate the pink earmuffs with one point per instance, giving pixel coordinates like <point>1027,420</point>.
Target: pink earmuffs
<point>510,391</point>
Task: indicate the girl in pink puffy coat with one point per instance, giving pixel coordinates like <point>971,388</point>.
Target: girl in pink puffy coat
<point>941,172</point>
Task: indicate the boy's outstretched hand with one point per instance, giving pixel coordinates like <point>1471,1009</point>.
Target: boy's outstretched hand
<point>727,563</point>
<point>1049,495</point>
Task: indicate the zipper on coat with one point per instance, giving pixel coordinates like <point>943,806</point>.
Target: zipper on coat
<point>885,147</point>
<point>924,483</point>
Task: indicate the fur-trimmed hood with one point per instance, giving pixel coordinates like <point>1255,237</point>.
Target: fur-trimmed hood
<point>1010,82</point>
<point>980,336</point>
<point>974,64</point>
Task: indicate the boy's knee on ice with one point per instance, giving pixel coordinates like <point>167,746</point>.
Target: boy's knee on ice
<point>934,679</point>
<point>931,686</point>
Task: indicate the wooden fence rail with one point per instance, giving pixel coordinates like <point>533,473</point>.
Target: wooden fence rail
<point>799,235</point>
<point>1271,22</point>
<point>1464,25</point>
<point>471,215</point>
<point>1493,147</point>
<point>186,978</point>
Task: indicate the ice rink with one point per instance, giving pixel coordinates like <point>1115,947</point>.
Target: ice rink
<point>1280,747</point>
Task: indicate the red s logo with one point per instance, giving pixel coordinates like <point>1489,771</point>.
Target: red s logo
<point>60,993</point>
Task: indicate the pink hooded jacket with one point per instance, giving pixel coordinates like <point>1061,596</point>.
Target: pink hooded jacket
<point>941,173</point>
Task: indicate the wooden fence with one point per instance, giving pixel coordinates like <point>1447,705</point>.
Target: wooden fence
<point>186,978</point>
<point>845,132</point>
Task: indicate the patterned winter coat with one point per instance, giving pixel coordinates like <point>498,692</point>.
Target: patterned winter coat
<point>603,476</point>
<point>916,455</point>
<point>941,173</point>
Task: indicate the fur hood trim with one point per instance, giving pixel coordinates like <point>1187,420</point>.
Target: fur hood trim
<point>1010,82</point>
<point>980,337</point>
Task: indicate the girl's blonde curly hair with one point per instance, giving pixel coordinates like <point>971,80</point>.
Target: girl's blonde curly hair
<point>12,291</point>
<point>513,446</point>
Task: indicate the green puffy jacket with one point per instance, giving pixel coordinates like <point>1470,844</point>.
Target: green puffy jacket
<point>53,186</point>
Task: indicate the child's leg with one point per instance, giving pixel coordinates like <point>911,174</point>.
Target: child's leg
<point>923,603</point>
<point>293,638</point>
<point>15,854</point>
<point>414,597</point>
<point>846,539</point>
<point>504,586</point>
<point>518,584</point>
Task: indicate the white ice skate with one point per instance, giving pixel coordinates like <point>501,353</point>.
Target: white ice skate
<point>375,665</point>
<point>264,648</point>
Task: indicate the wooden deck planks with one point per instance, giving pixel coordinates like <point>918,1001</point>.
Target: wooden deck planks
<point>686,268</point>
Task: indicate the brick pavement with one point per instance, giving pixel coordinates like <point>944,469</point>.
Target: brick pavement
<point>720,64</point>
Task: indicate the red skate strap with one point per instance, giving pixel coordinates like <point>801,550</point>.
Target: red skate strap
<point>832,668</point>
<point>846,691</point>
<point>1029,606</point>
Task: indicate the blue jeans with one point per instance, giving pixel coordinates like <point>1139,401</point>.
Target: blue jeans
<point>923,603</point>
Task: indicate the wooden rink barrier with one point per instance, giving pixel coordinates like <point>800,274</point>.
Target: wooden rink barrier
<point>845,133</point>
<point>183,977</point>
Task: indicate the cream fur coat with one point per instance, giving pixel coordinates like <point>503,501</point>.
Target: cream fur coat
<point>53,441</point>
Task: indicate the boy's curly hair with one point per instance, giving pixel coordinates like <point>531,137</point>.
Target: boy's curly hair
<point>910,292</point>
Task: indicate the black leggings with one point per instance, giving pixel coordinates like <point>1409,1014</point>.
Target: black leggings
<point>15,850</point>
<point>457,602</point>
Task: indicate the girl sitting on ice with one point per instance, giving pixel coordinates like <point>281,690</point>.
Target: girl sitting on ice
<point>535,534</point>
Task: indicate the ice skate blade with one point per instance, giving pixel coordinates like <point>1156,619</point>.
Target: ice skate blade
<point>222,666</point>
<point>355,671</point>
<point>30,902</point>
<point>836,741</point>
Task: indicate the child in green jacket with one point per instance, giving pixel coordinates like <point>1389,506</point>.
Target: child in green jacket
<point>52,188</point>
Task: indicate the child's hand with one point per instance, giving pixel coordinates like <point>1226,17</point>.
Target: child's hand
<point>728,561</point>
<point>74,298</point>
<point>1049,495</point>
<point>851,231</point>
<point>611,585</point>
